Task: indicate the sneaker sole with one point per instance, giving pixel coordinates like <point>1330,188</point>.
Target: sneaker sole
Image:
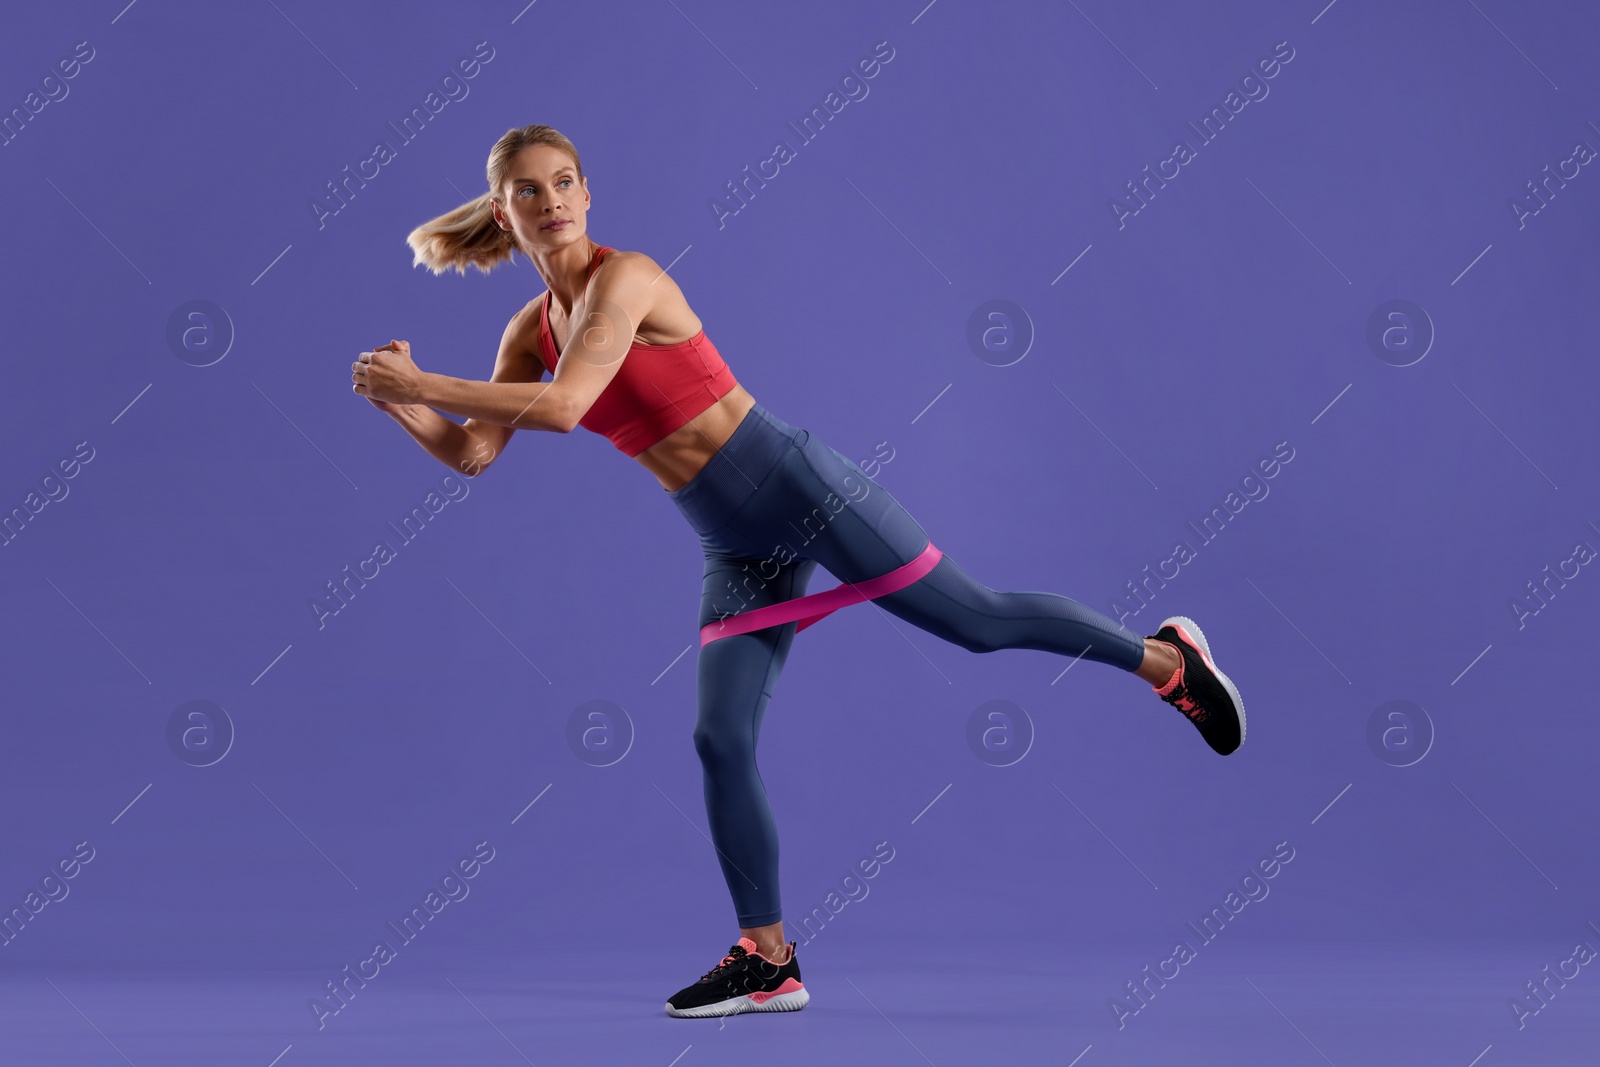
<point>1189,627</point>
<point>792,1001</point>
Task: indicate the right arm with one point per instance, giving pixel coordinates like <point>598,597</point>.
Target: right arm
<point>471,446</point>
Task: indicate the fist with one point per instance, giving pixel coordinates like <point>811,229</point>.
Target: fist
<point>387,374</point>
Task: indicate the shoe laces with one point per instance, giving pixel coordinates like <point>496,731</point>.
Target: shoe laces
<point>733,960</point>
<point>1184,701</point>
<point>1182,697</point>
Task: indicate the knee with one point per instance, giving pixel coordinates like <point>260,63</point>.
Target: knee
<point>972,631</point>
<point>971,635</point>
<point>721,746</point>
<point>978,640</point>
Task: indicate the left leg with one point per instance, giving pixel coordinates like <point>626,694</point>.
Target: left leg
<point>871,534</point>
<point>953,605</point>
<point>864,532</point>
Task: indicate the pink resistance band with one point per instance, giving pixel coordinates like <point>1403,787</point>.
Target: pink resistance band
<point>814,607</point>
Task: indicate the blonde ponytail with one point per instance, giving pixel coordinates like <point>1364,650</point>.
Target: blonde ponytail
<point>466,235</point>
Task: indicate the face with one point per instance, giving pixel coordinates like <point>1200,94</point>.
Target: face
<point>542,188</point>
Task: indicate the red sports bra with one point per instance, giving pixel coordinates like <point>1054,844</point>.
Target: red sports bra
<point>658,388</point>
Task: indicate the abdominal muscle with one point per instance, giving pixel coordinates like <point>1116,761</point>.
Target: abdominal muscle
<point>679,456</point>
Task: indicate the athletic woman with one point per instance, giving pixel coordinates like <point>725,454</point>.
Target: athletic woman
<point>628,358</point>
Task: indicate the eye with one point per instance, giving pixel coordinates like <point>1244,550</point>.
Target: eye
<point>566,181</point>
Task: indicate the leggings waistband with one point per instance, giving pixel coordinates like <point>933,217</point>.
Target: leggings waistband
<point>709,499</point>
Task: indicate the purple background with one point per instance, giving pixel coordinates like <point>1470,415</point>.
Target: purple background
<point>1229,314</point>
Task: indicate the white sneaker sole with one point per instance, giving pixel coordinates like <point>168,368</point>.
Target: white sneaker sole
<point>792,1001</point>
<point>1193,630</point>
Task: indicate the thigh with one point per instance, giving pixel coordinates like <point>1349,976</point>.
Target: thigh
<point>846,521</point>
<point>735,675</point>
<point>736,582</point>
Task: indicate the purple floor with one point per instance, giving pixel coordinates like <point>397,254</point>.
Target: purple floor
<point>1374,1005</point>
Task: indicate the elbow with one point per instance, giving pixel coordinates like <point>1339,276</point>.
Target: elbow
<point>556,409</point>
<point>568,419</point>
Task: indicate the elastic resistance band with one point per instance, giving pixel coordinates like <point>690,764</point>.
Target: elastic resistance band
<point>814,607</point>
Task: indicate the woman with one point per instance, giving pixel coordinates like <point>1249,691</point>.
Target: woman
<point>629,359</point>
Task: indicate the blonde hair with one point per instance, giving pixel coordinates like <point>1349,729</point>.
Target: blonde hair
<point>469,235</point>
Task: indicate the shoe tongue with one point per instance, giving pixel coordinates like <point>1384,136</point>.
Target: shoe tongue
<point>747,944</point>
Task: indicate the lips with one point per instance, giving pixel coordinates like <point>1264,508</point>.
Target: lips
<point>557,224</point>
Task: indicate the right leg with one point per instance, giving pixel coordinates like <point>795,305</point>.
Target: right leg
<point>735,677</point>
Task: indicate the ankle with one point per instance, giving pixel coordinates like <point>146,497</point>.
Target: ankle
<point>1164,686</point>
<point>1161,662</point>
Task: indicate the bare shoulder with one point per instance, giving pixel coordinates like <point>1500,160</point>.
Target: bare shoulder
<point>521,338</point>
<point>633,265</point>
<point>628,255</point>
<point>529,312</point>
<point>670,319</point>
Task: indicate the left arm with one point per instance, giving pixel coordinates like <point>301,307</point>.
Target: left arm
<point>620,298</point>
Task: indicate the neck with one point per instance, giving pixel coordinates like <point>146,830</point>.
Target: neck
<point>566,270</point>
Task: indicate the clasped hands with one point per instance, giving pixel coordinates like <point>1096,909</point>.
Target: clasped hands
<point>387,375</point>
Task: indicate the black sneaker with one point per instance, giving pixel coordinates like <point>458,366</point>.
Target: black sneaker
<point>745,980</point>
<point>1200,691</point>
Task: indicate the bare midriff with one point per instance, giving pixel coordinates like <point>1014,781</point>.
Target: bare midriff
<point>679,456</point>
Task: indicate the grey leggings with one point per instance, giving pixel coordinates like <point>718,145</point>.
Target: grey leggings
<point>770,505</point>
